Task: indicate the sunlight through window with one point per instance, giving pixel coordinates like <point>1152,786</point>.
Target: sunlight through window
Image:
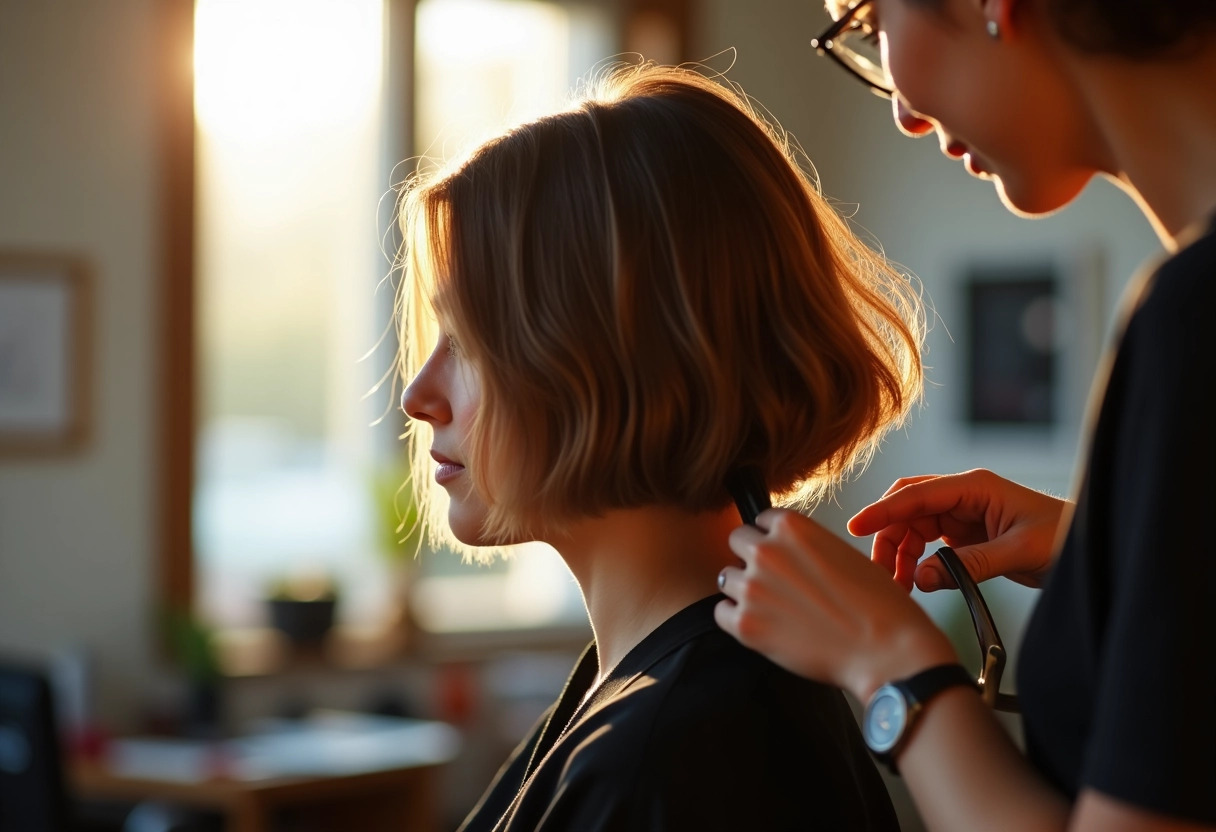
<point>483,65</point>
<point>291,115</point>
<point>289,176</point>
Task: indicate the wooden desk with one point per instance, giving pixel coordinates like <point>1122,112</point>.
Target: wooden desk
<point>398,799</point>
<point>331,772</point>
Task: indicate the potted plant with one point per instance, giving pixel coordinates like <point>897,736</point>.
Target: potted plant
<point>400,528</point>
<point>192,645</point>
<point>303,608</point>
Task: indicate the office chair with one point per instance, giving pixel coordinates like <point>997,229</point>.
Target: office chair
<point>32,793</point>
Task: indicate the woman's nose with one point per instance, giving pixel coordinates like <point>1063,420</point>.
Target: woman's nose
<point>420,401</point>
<point>907,120</point>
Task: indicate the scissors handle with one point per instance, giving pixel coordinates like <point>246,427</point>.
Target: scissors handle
<point>992,649</point>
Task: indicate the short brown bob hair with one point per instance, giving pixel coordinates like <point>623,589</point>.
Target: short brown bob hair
<point>653,291</point>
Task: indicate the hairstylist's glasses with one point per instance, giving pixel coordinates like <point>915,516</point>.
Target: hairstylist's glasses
<point>853,43</point>
<point>992,651</point>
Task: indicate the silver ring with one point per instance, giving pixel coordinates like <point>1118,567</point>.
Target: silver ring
<point>722,581</point>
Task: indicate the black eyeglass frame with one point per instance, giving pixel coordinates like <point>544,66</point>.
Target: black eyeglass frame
<point>992,649</point>
<point>825,44</point>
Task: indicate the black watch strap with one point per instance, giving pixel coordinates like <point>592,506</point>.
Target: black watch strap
<point>894,709</point>
<point>923,686</point>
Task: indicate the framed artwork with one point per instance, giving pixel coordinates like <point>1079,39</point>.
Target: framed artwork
<point>44,377</point>
<point>1014,356</point>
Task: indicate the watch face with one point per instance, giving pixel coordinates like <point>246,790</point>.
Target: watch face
<point>885,718</point>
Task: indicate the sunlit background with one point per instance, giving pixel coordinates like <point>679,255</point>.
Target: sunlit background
<point>288,103</point>
<point>290,106</point>
<point>308,114</point>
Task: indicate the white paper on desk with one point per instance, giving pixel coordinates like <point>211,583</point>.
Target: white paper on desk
<point>153,758</point>
<point>326,743</point>
<point>337,743</point>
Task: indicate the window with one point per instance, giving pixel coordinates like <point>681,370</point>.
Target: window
<point>288,107</point>
<point>482,65</point>
<point>293,245</point>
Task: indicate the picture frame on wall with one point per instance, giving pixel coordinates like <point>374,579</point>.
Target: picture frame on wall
<point>44,355</point>
<point>1033,329</point>
<point>1014,350</point>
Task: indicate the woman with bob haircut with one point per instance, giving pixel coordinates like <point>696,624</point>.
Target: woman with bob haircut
<point>604,312</point>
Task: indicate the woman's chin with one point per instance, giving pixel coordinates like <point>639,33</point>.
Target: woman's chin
<point>1026,200</point>
<point>470,532</point>
<point>467,527</point>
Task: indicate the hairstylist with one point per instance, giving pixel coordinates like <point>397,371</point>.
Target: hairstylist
<point>1117,675</point>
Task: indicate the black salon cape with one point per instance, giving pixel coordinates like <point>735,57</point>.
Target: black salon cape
<point>1117,675</point>
<point>692,731</point>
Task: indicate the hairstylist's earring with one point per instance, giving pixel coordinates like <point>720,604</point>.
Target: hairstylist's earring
<point>994,30</point>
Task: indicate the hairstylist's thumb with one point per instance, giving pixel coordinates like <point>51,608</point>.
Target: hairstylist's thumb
<point>981,561</point>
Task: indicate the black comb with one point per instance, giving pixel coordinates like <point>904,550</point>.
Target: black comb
<point>751,496</point>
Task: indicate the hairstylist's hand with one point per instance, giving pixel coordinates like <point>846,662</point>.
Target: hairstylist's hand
<point>819,608</point>
<point>997,527</point>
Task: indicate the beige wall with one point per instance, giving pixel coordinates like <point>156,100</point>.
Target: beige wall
<point>77,161</point>
<point>76,175</point>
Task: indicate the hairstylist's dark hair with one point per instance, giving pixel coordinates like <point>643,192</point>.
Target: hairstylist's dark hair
<point>1133,28</point>
<point>1138,29</point>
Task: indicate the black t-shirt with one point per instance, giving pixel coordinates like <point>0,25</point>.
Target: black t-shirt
<point>692,731</point>
<point>1118,671</point>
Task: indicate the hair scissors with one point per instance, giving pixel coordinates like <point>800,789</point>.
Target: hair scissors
<point>992,649</point>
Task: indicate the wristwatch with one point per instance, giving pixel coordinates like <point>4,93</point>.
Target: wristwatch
<point>894,708</point>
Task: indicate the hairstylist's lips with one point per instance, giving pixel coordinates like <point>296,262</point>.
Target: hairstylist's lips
<point>958,150</point>
<point>446,470</point>
<point>975,165</point>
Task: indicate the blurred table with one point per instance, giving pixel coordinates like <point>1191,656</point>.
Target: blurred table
<point>332,771</point>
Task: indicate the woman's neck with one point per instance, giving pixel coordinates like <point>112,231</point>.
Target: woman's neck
<point>1158,118</point>
<point>638,567</point>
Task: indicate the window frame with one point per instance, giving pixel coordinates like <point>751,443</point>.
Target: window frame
<point>178,374</point>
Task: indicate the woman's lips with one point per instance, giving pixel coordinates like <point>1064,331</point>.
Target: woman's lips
<point>446,469</point>
<point>445,472</point>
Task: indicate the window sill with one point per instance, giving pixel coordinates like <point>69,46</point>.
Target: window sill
<point>263,651</point>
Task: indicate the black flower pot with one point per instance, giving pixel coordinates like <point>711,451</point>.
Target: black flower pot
<point>303,622</point>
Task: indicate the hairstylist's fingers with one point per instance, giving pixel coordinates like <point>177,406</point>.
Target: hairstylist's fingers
<point>726,613</point>
<point>884,550</point>
<point>765,519</point>
<point>906,505</point>
<point>895,545</point>
<point>743,541</point>
<point>896,550</point>
<point>789,547</point>
<point>981,562</point>
<point>907,556</point>
<point>931,575</point>
<point>904,482</point>
<point>729,580</point>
